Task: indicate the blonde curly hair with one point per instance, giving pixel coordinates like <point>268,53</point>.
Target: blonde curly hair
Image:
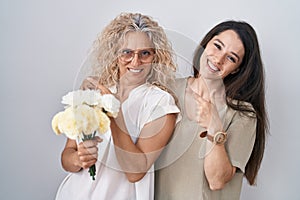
<point>106,47</point>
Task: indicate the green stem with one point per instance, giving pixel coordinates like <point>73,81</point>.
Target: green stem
<point>92,169</point>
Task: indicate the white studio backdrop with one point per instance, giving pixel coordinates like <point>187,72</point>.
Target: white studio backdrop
<point>43,43</point>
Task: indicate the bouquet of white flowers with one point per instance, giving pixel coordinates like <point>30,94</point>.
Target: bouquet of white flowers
<point>86,112</point>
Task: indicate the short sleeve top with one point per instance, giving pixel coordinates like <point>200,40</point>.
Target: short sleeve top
<point>180,168</point>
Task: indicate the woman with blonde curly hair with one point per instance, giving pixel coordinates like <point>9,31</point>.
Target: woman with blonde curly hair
<point>131,59</point>
<point>108,44</point>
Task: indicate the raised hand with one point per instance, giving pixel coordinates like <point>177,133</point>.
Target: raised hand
<point>92,83</point>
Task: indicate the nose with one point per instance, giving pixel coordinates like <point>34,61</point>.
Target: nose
<point>136,60</point>
<point>220,58</point>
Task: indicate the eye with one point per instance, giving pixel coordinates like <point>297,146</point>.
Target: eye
<point>232,59</point>
<point>218,46</point>
<point>145,53</point>
<point>126,51</point>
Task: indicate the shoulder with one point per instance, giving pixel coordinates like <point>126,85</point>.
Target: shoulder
<point>157,103</point>
<point>155,93</point>
<point>157,99</point>
<point>240,116</point>
<point>243,103</point>
<point>244,106</point>
<point>180,86</point>
<point>181,81</point>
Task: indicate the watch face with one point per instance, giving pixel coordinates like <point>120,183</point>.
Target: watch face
<point>220,138</point>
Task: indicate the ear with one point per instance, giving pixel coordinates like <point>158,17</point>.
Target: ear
<point>235,71</point>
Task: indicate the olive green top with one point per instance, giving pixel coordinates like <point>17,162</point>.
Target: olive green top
<point>179,170</point>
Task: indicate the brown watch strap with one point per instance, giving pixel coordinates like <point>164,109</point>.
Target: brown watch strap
<point>209,137</point>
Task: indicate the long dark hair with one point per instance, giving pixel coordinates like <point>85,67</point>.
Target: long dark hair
<point>248,85</point>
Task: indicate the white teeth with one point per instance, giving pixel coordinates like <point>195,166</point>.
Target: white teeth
<point>135,70</point>
<point>214,68</point>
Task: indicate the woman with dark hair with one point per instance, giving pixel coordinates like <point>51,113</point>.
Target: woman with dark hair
<point>221,137</point>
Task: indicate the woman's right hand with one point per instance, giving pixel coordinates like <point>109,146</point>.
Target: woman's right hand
<point>92,83</point>
<point>88,152</point>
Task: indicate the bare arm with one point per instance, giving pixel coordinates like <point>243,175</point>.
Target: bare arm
<point>136,159</point>
<point>217,166</point>
<point>75,157</point>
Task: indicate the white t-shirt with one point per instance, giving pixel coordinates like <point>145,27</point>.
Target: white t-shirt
<point>143,105</point>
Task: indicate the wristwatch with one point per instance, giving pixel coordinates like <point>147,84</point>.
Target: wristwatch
<point>218,138</point>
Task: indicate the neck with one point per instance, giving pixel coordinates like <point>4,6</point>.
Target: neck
<point>125,87</point>
<point>216,85</point>
<point>209,88</point>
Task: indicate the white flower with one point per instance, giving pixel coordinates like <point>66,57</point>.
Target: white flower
<point>56,119</point>
<point>80,119</point>
<point>86,113</point>
<point>110,104</point>
<point>103,121</point>
<point>79,97</point>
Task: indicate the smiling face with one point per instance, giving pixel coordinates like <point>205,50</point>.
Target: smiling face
<point>136,68</point>
<point>223,55</point>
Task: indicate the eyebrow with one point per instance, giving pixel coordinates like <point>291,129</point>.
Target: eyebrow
<point>231,51</point>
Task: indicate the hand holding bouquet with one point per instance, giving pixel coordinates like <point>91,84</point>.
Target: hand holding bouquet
<point>86,112</point>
